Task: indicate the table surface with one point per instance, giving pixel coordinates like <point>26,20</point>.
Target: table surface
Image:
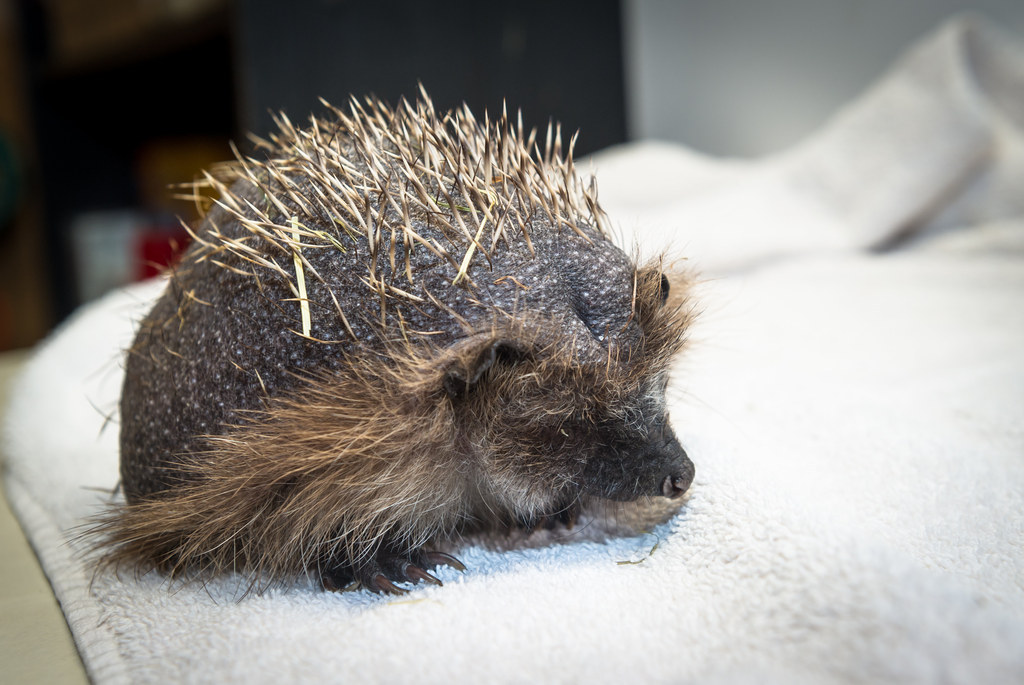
<point>35,644</point>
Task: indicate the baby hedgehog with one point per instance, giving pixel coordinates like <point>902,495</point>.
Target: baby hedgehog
<point>396,328</point>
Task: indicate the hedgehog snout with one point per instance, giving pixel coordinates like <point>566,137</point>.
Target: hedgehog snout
<point>680,472</point>
<point>657,466</point>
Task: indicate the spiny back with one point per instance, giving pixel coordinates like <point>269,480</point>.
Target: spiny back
<point>371,230</point>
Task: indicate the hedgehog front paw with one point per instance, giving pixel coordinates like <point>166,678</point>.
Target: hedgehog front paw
<point>382,572</point>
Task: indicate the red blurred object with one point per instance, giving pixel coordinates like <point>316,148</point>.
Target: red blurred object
<point>157,249</point>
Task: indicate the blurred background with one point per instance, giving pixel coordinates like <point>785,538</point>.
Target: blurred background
<point>104,103</point>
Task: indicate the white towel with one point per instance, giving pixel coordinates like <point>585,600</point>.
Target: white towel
<point>856,419</point>
<point>935,145</point>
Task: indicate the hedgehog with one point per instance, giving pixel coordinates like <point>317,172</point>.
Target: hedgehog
<point>391,328</point>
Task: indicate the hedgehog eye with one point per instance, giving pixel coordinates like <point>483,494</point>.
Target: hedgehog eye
<point>664,289</point>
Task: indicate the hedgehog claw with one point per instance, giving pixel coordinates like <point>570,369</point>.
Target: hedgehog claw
<point>336,579</point>
<point>380,583</point>
<point>415,573</point>
<point>330,583</point>
<point>382,573</point>
<point>442,559</point>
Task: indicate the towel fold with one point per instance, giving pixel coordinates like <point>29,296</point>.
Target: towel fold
<point>936,145</point>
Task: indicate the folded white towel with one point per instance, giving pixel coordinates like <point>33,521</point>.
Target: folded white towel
<point>935,145</point>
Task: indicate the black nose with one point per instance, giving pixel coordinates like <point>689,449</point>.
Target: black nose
<point>675,484</point>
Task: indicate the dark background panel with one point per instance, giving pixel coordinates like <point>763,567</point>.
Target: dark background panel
<point>560,60</point>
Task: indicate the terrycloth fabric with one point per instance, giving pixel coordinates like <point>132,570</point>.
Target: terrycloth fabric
<point>935,145</point>
<point>856,418</point>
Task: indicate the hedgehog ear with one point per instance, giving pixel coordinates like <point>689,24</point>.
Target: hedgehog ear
<point>474,363</point>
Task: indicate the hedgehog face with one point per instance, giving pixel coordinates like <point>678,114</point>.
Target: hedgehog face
<point>549,435</point>
<point>555,417</point>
